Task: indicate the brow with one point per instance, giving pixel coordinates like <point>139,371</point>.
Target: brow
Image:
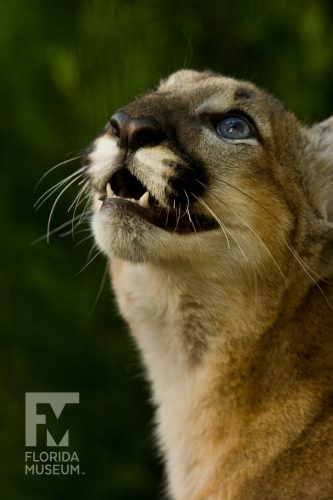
<point>243,93</point>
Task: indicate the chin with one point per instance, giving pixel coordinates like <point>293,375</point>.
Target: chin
<point>121,233</point>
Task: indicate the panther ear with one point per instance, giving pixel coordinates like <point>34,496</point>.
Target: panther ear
<point>319,170</point>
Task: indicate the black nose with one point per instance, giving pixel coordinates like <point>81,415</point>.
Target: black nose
<point>135,133</point>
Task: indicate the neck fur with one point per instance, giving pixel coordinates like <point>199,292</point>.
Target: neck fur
<point>206,348</point>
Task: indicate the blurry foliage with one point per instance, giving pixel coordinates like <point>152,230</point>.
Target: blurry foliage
<point>66,65</point>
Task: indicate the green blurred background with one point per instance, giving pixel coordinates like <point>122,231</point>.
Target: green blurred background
<point>66,65</point>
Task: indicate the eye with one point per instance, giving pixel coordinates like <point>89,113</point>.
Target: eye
<point>234,127</point>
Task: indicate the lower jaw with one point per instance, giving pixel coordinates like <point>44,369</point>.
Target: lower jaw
<point>168,221</point>
<point>122,235</point>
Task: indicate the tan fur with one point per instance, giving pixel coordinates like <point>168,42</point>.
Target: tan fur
<point>235,324</point>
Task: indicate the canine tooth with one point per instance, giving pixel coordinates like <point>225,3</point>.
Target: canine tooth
<point>144,200</point>
<point>109,192</point>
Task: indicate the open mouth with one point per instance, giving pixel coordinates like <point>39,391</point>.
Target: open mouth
<point>125,192</point>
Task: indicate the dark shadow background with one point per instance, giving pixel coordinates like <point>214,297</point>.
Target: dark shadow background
<point>66,65</point>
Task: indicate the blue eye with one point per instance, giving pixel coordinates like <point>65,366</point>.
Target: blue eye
<point>234,127</point>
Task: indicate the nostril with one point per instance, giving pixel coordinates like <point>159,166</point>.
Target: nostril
<point>118,123</point>
<point>144,136</point>
<point>134,133</point>
<point>143,132</point>
<point>114,127</point>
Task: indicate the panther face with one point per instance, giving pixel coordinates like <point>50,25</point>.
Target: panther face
<point>201,166</point>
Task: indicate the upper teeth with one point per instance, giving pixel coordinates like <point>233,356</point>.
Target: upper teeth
<point>143,201</point>
<point>109,192</point>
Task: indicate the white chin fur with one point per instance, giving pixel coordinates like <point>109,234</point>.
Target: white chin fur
<point>136,240</point>
<point>126,239</point>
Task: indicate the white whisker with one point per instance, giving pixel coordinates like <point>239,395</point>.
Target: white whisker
<point>67,233</point>
<point>45,196</point>
<point>301,263</point>
<point>299,260</point>
<point>99,293</point>
<point>167,217</point>
<point>188,211</point>
<point>57,166</point>
<point>55,203</point>
<point>226,230</point>
<point>57,229</point>
<point>90,260</point>
<point>86,205</point>
<point>215,217</point>
<point>261,241</point>
<point>78,196</point>
<point>255,297</point>
<point>83,240</point>
<point>178,218</point>
<point>255,234</point>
